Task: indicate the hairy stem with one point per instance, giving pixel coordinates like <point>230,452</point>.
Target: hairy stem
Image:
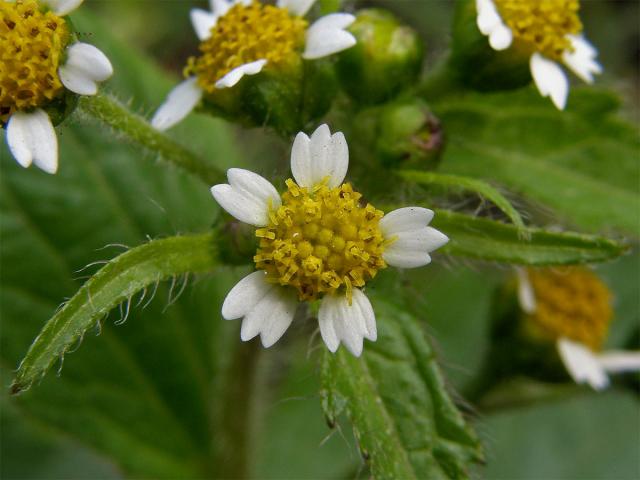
<point>137,130</point>
<point>234,430</point>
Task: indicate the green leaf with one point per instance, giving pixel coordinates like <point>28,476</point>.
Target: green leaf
<point>485,239</point>
<point>118,281</point>
<point>465,183</point>
<point>583,163</point>
<point>405,422</point>
<point>139,394</point>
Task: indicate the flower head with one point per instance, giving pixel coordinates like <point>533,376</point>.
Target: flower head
<point>550,32</point>
<point>39,61</point>
<point>318,241</point>
<point>571,307</point>
<point>243,37</point>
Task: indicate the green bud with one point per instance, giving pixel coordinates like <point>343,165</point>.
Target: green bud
<point>386,59</point>
<point>404,133</point>
<point>476,64</point>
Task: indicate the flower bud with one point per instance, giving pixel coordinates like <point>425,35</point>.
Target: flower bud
<point>476,64</point>
<point>386,59</point>
<point>403,133</point>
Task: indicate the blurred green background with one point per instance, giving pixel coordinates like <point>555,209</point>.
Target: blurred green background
<point>583,437</point>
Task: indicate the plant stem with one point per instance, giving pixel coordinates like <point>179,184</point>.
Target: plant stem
<point>234,432</point>
<point>137,130</point>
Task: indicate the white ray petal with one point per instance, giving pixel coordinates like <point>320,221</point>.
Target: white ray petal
<point>270,317</point>
<point>349,324</point>
<point>245,295</point>
<point>582,364</point>
<point>501,37</point>
<point>63,7</point>
<point>619,361</point>
<point>297,7</point>
<point>202,21</point>
<point>582,60</point>
<point>425,239</point>
<point>550,79</point>
<point>179,103</point>
<point>301,160</point>
<point>327,316</point>
<point>361,301</point>
<point>84,68</point>
<point>404,220</point>
<point>327,36</point>
<point>235,75</point>
<point>328,158</point>
<point>31,138</point>
<point>247,196</point>
<point>220,7</point>
<point>526,295</point>
<point>399,258</point>
<point>487,17</point>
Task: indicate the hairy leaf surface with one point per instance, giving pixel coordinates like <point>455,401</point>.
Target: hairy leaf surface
<point>583,163</point>
<point>486,239</point>
<point>403,417</point>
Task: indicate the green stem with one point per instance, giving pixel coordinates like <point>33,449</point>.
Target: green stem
<point>234,432</point>
<point>137,130</point>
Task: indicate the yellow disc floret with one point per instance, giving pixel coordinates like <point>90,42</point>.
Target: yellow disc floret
<point>321,240</point>
<point>542,25</point>
<point>32,42</point>
<point>571,302</point>
<point>245,34</point>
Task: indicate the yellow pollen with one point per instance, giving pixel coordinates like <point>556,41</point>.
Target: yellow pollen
<point>321,240</point>
<point>31,46</point>
<point>571,302</point>
<point>542,25</point>
<point>243,35</point>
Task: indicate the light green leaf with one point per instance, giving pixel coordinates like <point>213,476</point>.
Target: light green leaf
<point>405,422</point>
<point>464,183</point>
<point>486,239</point>
<point>583,163</point>
<point>118,281</point>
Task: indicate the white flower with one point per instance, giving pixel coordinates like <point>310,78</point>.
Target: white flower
<point>326,36</point>
<point>551,80</point>
<point>582,364</point>
<point>266,300</point>
<point>30,133</point>
<point>586,366</point>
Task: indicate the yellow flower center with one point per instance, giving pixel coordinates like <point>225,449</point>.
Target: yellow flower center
<point>32,42</point>
<point>243,35</point>
<point>571,302</point>
<point>320,240</point>
<point>542,25</point>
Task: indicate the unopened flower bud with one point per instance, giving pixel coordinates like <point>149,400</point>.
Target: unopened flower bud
<point>404,133</point>
<point>386,59</point>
